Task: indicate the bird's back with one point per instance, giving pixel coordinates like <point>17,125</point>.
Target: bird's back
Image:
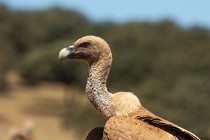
<point>129,128</point>
<point>144,125</point>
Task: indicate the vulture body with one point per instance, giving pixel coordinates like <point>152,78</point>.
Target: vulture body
<point>127,119</point>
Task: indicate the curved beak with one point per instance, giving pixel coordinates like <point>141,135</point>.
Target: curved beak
<point>65,53</point>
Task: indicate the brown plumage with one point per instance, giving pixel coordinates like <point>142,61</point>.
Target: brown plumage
<point>127,119</point>
<point>145,125</point>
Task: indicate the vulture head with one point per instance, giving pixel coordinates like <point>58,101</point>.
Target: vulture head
<point>87,48</point>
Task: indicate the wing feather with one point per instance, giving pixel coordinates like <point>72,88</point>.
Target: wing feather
<point>173,129</point>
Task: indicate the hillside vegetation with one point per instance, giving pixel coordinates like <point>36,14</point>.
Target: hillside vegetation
<point>165,65</point>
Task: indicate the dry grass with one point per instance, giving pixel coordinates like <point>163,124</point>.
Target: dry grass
<point>23,103</point>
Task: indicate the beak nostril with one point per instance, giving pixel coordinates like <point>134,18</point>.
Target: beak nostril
<point>71,47</point>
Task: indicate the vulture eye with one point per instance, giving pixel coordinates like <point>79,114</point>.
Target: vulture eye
<point>84,45</point>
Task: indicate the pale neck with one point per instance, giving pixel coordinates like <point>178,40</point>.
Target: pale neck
<point>96,86</point>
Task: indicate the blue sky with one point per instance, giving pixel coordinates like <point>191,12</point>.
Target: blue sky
<point>185,12</point>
